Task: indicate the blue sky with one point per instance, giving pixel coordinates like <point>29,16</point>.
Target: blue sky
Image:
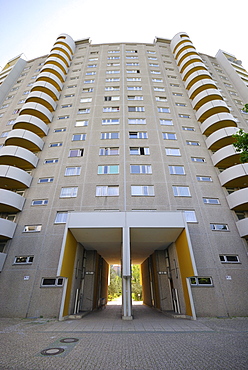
<point>31,27</point>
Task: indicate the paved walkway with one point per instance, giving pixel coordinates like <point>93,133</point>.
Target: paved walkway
<point>101,340</point>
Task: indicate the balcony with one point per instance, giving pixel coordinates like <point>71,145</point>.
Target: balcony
<point>209,109</point>
<point>186,53</point>
<point>51,78</point>
<point>235,177</point>
<point>31,123</point>
<point>205,97</point>
<point>216,122</point>
<point>194,67</point>
<point>225,157</point>
<point>61,55</point>
<point>17,156</point>
<point>25,139</point>
<point>221,138</point>
<point>196,76</point>
<point>37,110</point>
<point>10,202</point>
<point>41,98</point>
<point>47,88</point>
<point>61,48</point>
<point>184,46</point>
<point>66,40</point>
<point>51,68</point>
<point>242,226</point>
<point>7,229</point>
<point>238,200</point>
<point>178,39</point>
<point>200,86</point>
<point>188,61</point>
<point>58,62</point>
<point>14,178</point>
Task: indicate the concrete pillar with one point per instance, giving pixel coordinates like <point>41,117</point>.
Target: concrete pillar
<point>126,275</point>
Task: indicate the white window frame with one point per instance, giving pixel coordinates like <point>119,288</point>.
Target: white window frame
<point>181,191</point>
<point>173,169</point>
<point>142,190</point>
<point>32,228</point>
<point>107,190</point>
<point>112,169</point>
<point>140,169</point>
<point>69,192</point>
<point>75,171</point>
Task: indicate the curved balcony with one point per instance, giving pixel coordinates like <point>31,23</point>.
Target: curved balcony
<point>25,139</point>
<point>59,47</point>
<point>242,226</point>
<point>238,200</point>
<point>193,67</point>
<point>196,76</point>
<point>14,178</point>
<point>205,97</point>
<point>31,123</point>
<point>226,157</point>
<point>235,176</point>
<point>50,68</point>
<point>7,229</point>
<point>186,53</point>
<point>221,138</point>
<point>183,46</point>
<point>58,62</point>
<point>10,202</point>
<point>61,55</point>
<point>17,156</point>
<point>209,109</point>
<point>66,40</point>
<point>188,61</point>
<point>178,39</point>
<point>37,110</point>
<point>200,86</point>
<point>216,122</point>
<point>51,78</point>
<point>46,88</point>
<point>41,98</point>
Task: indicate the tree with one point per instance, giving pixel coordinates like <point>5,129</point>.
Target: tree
<point>245,109</point>
<point>136,286</point>
<point>115,286</point>
<point>241,143</point>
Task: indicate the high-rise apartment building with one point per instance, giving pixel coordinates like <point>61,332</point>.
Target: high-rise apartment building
<point>118,154</point>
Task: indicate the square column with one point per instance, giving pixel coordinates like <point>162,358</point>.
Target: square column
<point>126,275</point>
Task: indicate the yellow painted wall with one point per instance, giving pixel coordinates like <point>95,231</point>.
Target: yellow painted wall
<point>67,268</point>
<point>185,265</point>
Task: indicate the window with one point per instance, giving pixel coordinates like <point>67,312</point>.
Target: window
<point>138,135</point>
<point>134,88</point>
<point>163,110</point>
<point>59,130</point>
<point>142,190</point>
<point>160,98</point>
<point>52,145</point>
<point>169,136</point>
<point>133,71</point>
<point>113,51</point>
<point>109,151</point>
<point>45,180</point>
<point>69,95</point>
<point>107,191</point>
<point>157,80</point>
<point>139,151</point>
<point>198,159</point>
<point>4,134</point>
<point>156,72</point>
<point>81,123</point>
<point>76,152</point>
<point>85,100</point>
<point>219,227</point>
<point>172,151</point>
<point>113,71</point>
<point>91,65</point>
<point>136,121</point>
<point>32,228</point>
<point>180,104</point>
<point>177,94</point>
<point>166,122</point>
<point>113,57</point>
<point>196,143</point>
<point>184,115</point>
<point>190,216</point>
<point>111,109</point>
<point>133,79</point>
<point>229,258</point>
<point>111,170</point>
<point>71,86</point>
<point>188,128</point>
<point>135,97</point>
<point>201,281</point>
<point>69,192</point>
<point>153,64</point>
<point>177,170</point>
<point>66,105</point>
<point>61,217</point>
<point>39,202</point>
<point>78,137</point>
<point>112,79</point>
<point>63,117</point>
<point>52,282</point>
<point>112,88</point>
<point>23,260</point>
<point>132,63</point>
<point>48,161</point>
<point>89,81</point>
<point>211,200</point>
<point>204,178</point>
<point>10,122</point>
<point>112,121</point>
<point>4,106</point>
<point>111,98</point>
<point>181,191</point>
<point>109,135</point>
<point>72,171</point>
<point>136,109</point>
<point>140,168</point>
<point>159,89</point>
<point>83,110</point>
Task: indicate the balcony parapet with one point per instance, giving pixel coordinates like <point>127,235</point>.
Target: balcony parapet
<point>226,157</point>
<point>194,67</point>
<point>51,68</point>
<point>200,86</point>
<point>196,76</point>
<point>37,110</point>
<point>178,39</point>
<point>242,226</point>
<point>210,108</point>
<point>10,202</point>
<point>47,88</point>
<point>205,97</point>
<point>235,176</point>
<point>238,200</point>
<point>188,61</point>
<point>221,138</point>
<point>7,229</point>
<point>51,78</point>
<point>58,62</point>
<point>31,123</point>
<point>186,53</point>
<point>41,98</point>
<point>61,55</point>
<point>66,40</point>
<point>17,156</point>
<point>14,178</point>
<point>216,122</point>
<point>25,139</point>
<point>184,46</point>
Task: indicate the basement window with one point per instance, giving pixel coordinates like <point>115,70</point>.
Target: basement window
<point>229,258</point>
<point>23,260</point>
<point>52,282</point>
<point>32,228</point>
<point>201,281</point>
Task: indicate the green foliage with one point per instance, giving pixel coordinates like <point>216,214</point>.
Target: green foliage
<point>245,109</point>
<point>115,286</point>
<point>241,144</point>
<point>136,286</point>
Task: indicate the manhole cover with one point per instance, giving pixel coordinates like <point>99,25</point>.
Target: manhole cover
<point>69,340</point>
<point>52,351</point>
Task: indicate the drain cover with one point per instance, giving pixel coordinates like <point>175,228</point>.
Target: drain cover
<point>69,340</point>
<point>52,351</point>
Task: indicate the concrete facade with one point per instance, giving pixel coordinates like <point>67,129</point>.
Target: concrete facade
<point>122,153</point>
